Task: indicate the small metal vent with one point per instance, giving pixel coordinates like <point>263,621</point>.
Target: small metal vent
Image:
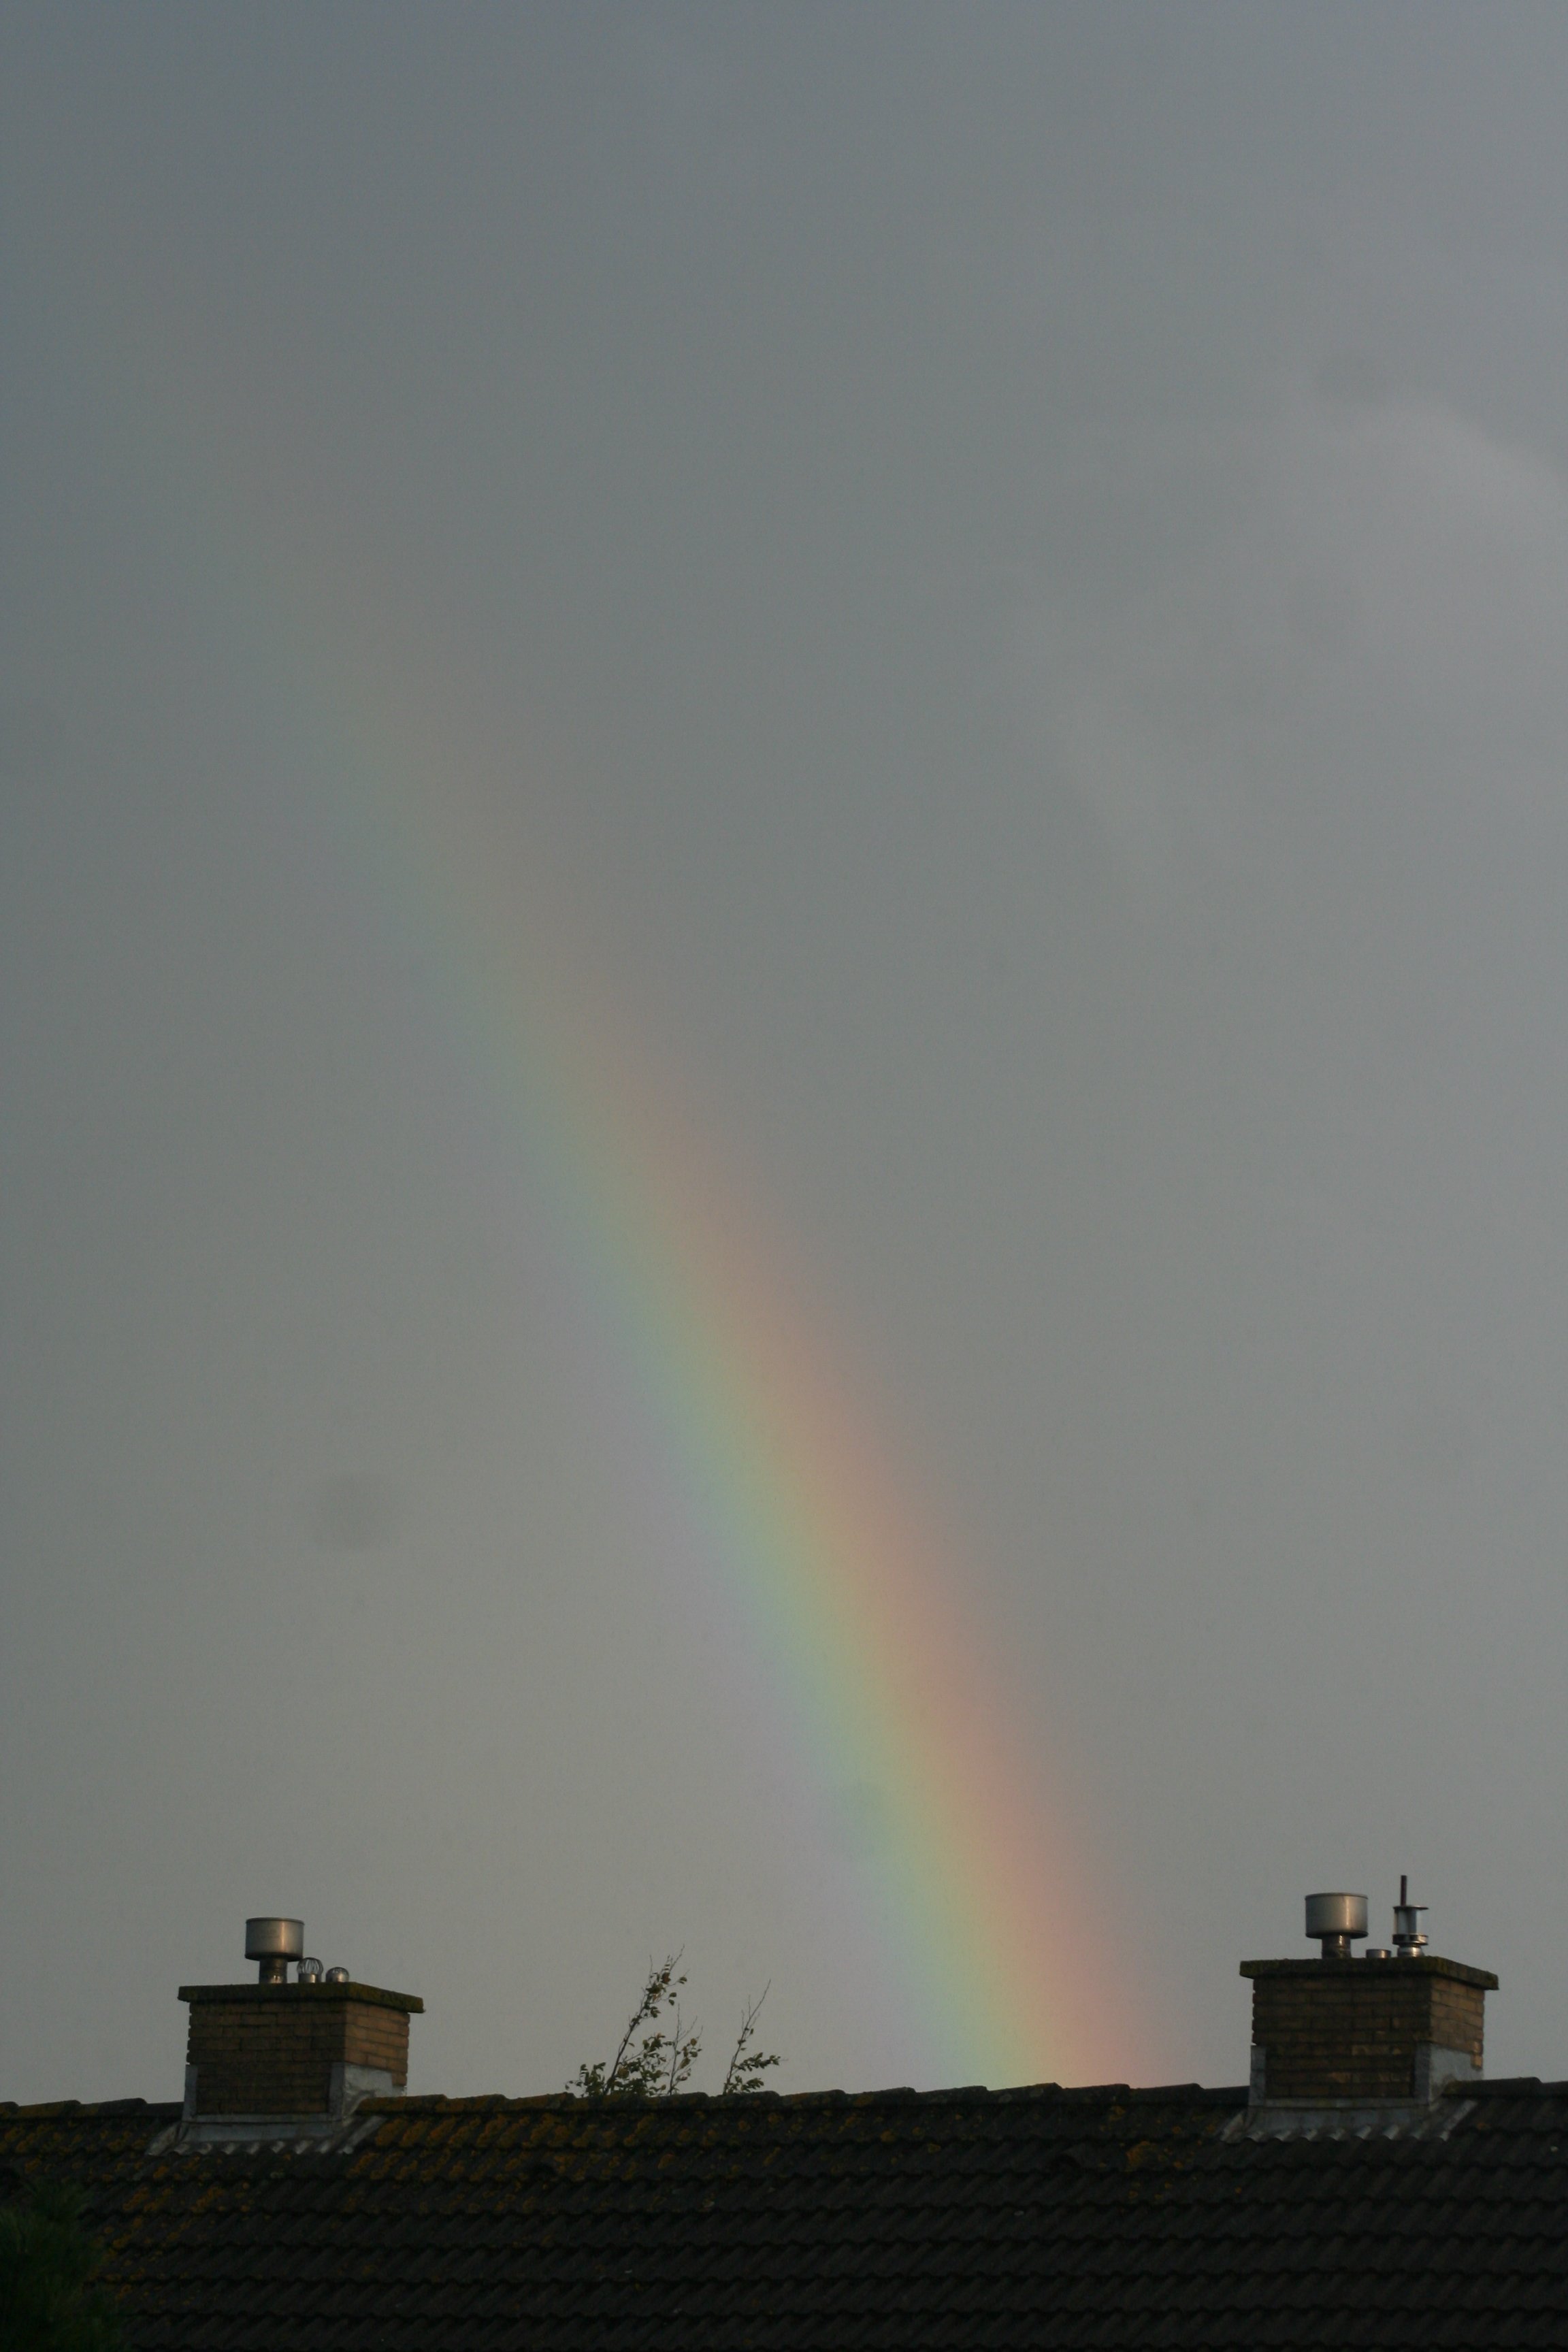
<point>1408,1940</point>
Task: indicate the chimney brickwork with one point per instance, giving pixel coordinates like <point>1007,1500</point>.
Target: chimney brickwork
<point>292,2049</point>
<point>1364,2030</point>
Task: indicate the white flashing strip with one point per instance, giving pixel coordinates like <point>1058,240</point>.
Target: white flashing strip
<point>348,2088</point>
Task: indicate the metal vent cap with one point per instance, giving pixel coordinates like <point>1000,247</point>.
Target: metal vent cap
<point>1336,1920</point>
<point>274,1943</point>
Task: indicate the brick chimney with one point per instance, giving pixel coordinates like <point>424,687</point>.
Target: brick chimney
<point>301,2054</point>
<point>1393,2026</point>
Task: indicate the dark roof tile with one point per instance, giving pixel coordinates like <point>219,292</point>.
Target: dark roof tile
<point>1101,2219</point>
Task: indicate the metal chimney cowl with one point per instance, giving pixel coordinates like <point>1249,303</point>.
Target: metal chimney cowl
<point>274,1943</point>
<point>1336,1920</point>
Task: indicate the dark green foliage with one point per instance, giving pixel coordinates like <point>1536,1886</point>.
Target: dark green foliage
<point>661,2061</point>
<point>48,2263</point>
<point>661,2064</point>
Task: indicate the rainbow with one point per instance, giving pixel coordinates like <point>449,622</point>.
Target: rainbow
<point>851,1597</point>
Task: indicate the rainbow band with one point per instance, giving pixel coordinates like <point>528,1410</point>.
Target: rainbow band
<point>858,1616</point>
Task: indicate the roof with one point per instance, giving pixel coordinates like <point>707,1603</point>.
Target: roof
<point>1036,2218</point>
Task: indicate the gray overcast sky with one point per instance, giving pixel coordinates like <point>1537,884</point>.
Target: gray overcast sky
<point>1005,570</point>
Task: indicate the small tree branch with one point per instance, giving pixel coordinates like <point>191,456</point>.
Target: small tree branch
<point>747,2066</point>
<point>599,2082</point>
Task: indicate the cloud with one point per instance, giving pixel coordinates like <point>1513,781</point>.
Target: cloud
<point>1357,605</point>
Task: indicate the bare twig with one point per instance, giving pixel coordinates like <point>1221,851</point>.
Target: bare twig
<point>747,2066</point>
